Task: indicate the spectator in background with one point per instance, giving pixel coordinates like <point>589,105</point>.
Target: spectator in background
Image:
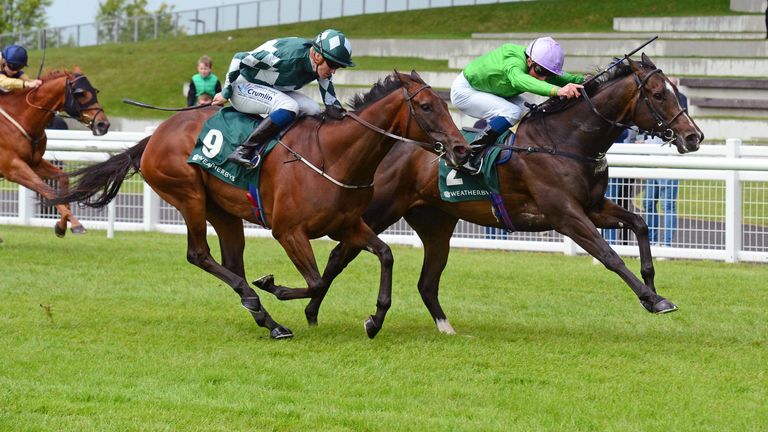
<point>204,85</point>
<point>661,196</point>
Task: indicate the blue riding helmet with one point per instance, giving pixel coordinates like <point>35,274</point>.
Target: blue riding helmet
<point>15,55</point>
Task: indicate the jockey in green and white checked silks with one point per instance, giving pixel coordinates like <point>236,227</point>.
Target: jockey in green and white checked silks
<point>264,81</point>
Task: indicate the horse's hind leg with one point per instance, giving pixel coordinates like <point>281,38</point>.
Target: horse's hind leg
<point>232,244</point>
<point>614,216</point>
<point>19,172</point>
<point>435,229</point>
<point>46,170</point>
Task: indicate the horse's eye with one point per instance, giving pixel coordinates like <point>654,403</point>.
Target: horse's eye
<point>426,107</point>
<point>657,96</point>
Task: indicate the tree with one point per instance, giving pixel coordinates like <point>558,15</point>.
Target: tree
<point>124,21</point>
<point>23,15</point>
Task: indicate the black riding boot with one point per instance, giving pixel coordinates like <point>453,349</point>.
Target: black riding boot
<point>245,154</point>
<point>484,138</point>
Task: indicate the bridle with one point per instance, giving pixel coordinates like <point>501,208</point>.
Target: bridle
<point>76,110</point>
<point>667,133</point>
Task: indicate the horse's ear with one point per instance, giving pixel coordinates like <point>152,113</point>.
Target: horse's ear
<point>633,64</point>
<point>77,70</point>
<point>647,61</point>
<point>397,75</point>
<point>415,75</point>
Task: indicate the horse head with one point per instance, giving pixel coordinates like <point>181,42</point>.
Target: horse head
<point>79,99</point>
<point>657,108</point>
<point>434,123</point>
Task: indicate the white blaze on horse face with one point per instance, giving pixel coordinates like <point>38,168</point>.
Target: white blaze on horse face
<point>670,88</point>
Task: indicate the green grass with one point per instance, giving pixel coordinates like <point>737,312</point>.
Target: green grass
<point>138,339</point>
<point>154,71</point>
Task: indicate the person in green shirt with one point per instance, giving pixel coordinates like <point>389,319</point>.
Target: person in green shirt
<point>204,85</point>
<point>491,85</point>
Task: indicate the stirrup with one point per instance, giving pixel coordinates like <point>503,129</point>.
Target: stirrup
<point>254,162</point>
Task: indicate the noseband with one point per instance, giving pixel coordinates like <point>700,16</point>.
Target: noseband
<point>436,146</point>
<point>668,133</point>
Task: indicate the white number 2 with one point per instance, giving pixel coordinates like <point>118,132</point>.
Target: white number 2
<point>212,143</point>
<point>453,179</point>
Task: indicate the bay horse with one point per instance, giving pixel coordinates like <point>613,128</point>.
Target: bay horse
<point>555,180</point>
<point>24,115</point>
<point>326,197</point>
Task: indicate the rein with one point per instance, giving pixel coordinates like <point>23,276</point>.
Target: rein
<point>20,128</point>
<point>437,146</point>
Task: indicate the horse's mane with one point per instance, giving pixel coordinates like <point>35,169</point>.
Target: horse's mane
<point>378,91</point>
<point>53,74</point>
<point>555,104</point>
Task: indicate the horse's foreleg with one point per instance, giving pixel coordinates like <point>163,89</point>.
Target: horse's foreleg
<point>48,171</point>
<point>338,260</point>
<point>612,216</point>
<point>362,236</point>
<point>435,229</point>
<point>584,233</point>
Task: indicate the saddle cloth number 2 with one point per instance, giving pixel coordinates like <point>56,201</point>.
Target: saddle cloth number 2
<point>453,179</point>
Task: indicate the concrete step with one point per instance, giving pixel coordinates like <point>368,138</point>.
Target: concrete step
<point>597,47</point>
<point>730,107</point>
<point>742,67</point>
<point>748,5</point>
<point>731,89</point>
<point>718,24</point>
<point>639,36</point>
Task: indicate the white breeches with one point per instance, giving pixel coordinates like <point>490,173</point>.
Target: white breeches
<point>482,105</point>
<point>253,98</point>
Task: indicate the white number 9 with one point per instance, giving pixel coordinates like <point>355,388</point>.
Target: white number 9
<point>212,143</point>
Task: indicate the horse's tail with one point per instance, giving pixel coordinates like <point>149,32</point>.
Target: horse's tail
<point>105,177</point>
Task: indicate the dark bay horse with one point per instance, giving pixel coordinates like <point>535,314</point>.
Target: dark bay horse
<point>24,115</point>
<point>299,202</point>
<point>541,190</point>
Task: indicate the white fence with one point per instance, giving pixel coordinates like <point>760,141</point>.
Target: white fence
<point>721,200</point>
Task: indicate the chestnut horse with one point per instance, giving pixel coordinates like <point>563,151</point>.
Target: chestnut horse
<point>555,180</point>
<point>24,115</point>
<point>300,200</point>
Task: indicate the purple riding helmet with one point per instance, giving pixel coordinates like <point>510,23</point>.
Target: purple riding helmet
<point>547,53</point>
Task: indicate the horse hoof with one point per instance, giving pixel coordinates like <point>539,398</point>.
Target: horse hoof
<point>664,306</point>
<point>371,329</point>
<point>77,230</point>
<point>60,232</point>
<point>264,282</point>
<point>280,332</point>
<point>311,319</point>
